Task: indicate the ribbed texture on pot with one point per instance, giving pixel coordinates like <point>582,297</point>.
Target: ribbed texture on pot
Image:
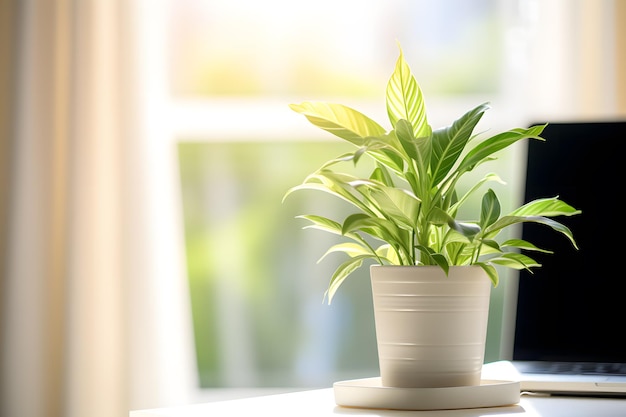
<point>430,328</point>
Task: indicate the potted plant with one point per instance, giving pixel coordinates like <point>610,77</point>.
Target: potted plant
<point>425,259</point>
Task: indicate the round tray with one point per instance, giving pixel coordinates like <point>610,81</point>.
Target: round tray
<point>369,393</point>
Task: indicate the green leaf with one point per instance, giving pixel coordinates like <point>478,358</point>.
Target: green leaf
<point>448,143</point>
<point>346,157</point>
<point>489,209</point>
<point>322,223</point>
<point>455,250</point>
<point>492,245</point>
<point>469,230</point>
<point>337,184</point>
<point>522,244</point>
<point>387,252</point>
<point>488,147</point>
<point>381,174</point>
<point>548,207</point>
<point>417,148</point>
<point>330,189</point>
<point>341,273</point>
<point>387,150</point>
<point>433,258</point>
<point>491,271</point>
<point>438,217</point>
<point>515,261</point>
<point>379,228</point>
<point>404,133</point>
<point>459,203</point>
<point>536,211</point>
<point>405,100</point>
<point>398,205</point>
<point>350,249</point>
<point>510,220</point>
<point>340,120</point>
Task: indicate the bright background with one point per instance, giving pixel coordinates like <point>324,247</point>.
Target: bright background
<point>256,291</point>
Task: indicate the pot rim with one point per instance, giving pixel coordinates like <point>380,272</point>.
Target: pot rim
<point>423,266</point>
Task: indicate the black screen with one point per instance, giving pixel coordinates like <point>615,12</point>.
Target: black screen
<point>573,308</point>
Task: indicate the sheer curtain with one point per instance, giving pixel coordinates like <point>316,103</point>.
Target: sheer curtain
<point>93,313</point>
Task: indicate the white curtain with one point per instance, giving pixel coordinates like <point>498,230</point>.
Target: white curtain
<point>93,314</point>
<point>577,59</point>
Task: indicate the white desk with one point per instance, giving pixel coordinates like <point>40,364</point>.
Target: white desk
<point>322,403</point>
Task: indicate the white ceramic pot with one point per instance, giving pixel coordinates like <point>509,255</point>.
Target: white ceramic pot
<point>430,329</point>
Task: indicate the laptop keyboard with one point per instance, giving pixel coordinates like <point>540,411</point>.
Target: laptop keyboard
<point>576,368</point>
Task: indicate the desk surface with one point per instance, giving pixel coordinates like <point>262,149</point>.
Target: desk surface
<point>322,403</point>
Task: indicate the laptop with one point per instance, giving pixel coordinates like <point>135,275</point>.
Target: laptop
<point>570,326</point>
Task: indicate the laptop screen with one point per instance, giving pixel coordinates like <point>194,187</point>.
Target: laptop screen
<point>573,308</point>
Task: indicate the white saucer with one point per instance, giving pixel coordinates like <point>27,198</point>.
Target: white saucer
<point>369,393</point>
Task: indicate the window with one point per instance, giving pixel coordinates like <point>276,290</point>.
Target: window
<point>256,289</point>
<point>282,48</point>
